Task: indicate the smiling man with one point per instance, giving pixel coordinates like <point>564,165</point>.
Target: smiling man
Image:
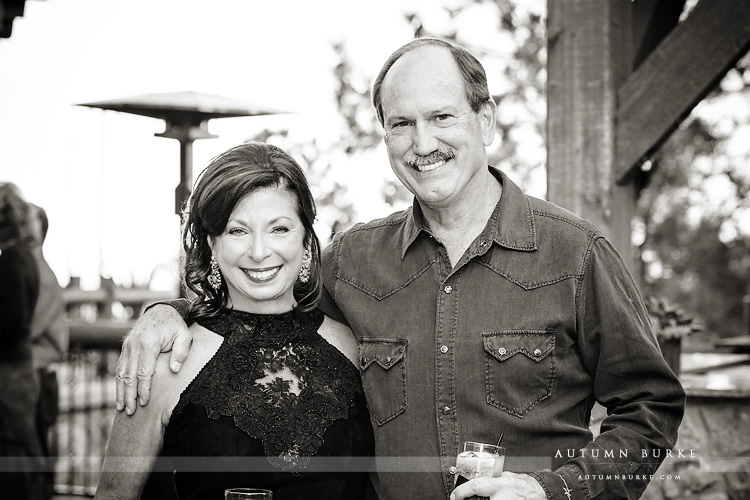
<point>479,312</point>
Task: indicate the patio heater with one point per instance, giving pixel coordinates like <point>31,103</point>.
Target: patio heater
<point>186,115</point>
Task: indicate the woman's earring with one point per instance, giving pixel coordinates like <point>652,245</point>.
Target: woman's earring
<point>214,277</point>
<point>304,271</point>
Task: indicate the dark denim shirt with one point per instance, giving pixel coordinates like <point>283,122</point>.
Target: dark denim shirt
<point>537,321</point>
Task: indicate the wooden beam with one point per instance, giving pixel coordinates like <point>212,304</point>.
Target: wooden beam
<point>652,21</point>
<point>687,64</point>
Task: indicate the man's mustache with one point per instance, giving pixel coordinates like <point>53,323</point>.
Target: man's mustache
<point>416,161</point>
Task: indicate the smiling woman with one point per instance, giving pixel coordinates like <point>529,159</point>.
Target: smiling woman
<point>261,251</point>
<point>272,390</point>
<point>252,214</point>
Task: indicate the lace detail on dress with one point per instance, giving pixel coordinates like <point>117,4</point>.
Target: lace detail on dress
<point>279,380</point>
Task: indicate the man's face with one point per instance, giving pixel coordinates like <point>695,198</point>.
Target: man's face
<point>436,143</point>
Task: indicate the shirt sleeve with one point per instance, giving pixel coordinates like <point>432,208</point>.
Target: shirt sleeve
<point>329,264</point>
<point>645,401</point>
<point>181,305</point>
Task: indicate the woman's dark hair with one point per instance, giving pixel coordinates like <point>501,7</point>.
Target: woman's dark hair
<point>227,180</point>
<point>472,72</point>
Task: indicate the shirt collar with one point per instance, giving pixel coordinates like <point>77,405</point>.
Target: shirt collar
<point>413,225</point>
<point>511,225</point>
<point>515,228</point>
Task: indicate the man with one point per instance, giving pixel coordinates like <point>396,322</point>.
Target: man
<point>480,313</point>
<point>49,343</point>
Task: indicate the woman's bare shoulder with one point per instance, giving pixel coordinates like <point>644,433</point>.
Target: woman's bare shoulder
<point>167,386</point>
<point>341,337</point>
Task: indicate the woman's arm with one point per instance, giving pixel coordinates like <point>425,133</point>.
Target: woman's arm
<point>136,441</point>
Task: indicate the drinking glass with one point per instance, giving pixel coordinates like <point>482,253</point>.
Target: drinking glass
<point>479,460</point>
<point>247,494</point>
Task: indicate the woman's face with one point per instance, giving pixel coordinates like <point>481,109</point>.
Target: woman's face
<point>260,251</point>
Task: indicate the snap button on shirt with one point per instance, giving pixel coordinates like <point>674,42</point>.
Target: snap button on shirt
<point>444,349</point>
<point>452,470</point>
<point>448,289</point>
<point>502,350</point>
<point>446,410</point>
<point>537,352</point>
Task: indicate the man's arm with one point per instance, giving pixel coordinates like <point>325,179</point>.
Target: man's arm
<point>644,399</point>
<point>645,402</point>
<point>160,328</point>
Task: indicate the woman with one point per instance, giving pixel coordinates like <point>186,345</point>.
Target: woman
<point>274,392</point>
<point>19,389</point>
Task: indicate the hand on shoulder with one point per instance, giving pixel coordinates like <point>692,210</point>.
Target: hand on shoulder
<point>158,330</point>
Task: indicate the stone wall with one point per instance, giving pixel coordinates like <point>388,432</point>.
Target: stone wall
<point>717,427</point>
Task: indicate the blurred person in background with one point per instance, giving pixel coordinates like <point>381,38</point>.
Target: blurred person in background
<point>20,448</point>
<point>49,343</point>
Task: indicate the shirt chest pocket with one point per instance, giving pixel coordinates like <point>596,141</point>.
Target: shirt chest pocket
<point>519,368</point>
<point>383,364</point>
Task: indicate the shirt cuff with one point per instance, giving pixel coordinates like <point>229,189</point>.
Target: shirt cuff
<point>562,484</point>
<point>181,305</point>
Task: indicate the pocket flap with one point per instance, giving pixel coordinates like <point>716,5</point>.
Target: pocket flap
<point>385,352</point>
<point>534,344</point>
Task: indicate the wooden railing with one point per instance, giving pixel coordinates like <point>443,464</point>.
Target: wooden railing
<point>87,406</point>
<point>98,320</point>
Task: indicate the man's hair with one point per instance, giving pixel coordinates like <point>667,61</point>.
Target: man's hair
<point>472,72</point>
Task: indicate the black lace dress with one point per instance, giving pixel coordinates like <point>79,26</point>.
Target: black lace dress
<point>277,408</point>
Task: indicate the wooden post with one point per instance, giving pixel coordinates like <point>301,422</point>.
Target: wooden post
<point>590,55</point>
<point>622,75</point>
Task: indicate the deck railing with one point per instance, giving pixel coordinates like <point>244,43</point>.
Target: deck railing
<point>87,381</point>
